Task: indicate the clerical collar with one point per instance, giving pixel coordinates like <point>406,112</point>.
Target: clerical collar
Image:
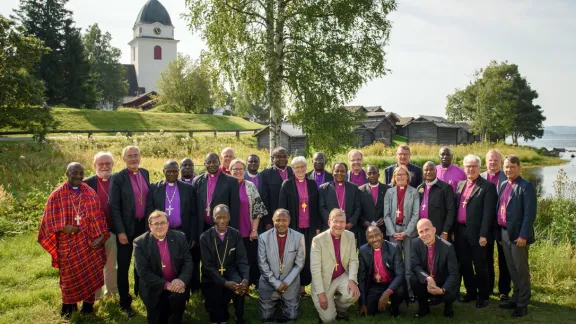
<point>252,175</point>
<point>75,188</point>
<point>335,237</point>
<point>373,186</point>
<point>401,188</point>
<point>103,179</point>
<point>301,180</point>
<point>446,168</point>
<point>471,181</point>
<point>281,170</point>
<point>171,184</point>
<point>376,249</point>
<point>221,234</point>
<point>133,171</point>
<point>319,172</point>
<point>493,174</point>
<point>160,239</point>
<point>354,173</point>
<point>281,235</point>
<point>340,183</point>
<point>187,180</point>
<point>431,245</point>
<point>431,183</point>
<point>215,174</point>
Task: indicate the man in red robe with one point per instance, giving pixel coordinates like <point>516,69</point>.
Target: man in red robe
<point>73,230</point>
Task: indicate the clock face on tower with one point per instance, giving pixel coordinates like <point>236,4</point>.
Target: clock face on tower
<point>157,30</point>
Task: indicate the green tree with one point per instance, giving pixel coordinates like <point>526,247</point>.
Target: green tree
<point>499,102</point>
<point>105,68</point>
<point>307,58</point>
<point>189,84</point>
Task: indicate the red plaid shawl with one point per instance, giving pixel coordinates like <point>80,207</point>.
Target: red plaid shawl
<point>81,267</point>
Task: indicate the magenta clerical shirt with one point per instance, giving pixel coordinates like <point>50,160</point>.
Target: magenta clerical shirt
<point>303,204</point>
<point>400,196</point>
<point>140,190</point>
<point>103,189</point>
<point>424,204</point>
<point>430,259</point>
<point>340,195</point>
<point>338,268</point>
<point>211,180</point>
<point>464,201</point>
<point>168,271</point>
<point>451,175</point>
<point>379,268</point>
<point>244,220</point>
<point>172,205</point>
<point>283,173</point>
<point>494,178</point>
<point>254,179</point>
<point>374,192</point>
<point>503,202</point>
<point>319,177</point>
<point>358,179</point>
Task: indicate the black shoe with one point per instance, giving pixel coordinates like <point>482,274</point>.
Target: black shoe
<point>504,298</point>
<point>508,305</point>
<point>128,311</point>
<point>87,308</point>
<point>412,299</point>
<point>67,310</point>
<point>481,303</point>
<point>422,313</point>
<point>520,311</point>
<point>466,298</point>
<point>342,317</point>
<point>435,300</point>
<point>448,310</point>
<point>394,311</point>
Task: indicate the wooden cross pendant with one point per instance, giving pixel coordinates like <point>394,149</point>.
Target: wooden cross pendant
<point>77,219</point>
<point>304,206</point>
<point>221,270</point>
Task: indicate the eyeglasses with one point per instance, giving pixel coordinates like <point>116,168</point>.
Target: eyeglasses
<point>104,164</point>
<point>299,167</point>
<point>237,170</point>
<point>401,175</point>
<point>159,224</point>
<point>474,166</point>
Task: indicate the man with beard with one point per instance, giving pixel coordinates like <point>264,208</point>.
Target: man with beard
<point>448,172</point>
<point>319,174</point>
<point>73,231</point>
<point>372,197</point>
<point>436,201</point>
<point>252,174</point>
<point>272,179</point>
<point>128,194</point>
<point>187,171</point>
<point>356,175</point>
<point>403,158</point>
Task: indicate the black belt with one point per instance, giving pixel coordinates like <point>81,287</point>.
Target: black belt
<point>400,224</point>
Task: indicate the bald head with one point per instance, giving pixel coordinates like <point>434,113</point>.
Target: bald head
<point>227,156</point>
<point>426,231</point>
<point>445,156</point>
<point>75,174</point>
<point>374,237</point>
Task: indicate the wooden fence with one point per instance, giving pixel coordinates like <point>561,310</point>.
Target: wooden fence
<point>130,132</point>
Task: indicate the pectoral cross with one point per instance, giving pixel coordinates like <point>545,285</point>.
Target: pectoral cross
<point>77,219</point>
<point>281,268</point>
<point>169,209</point>
<point>140,199</point>
<point>336,266</point>
<point>304,206</point>
<point>163,265</point>
<point>398,212</point>
<point>423,206</point>
<point>464,203</point>
<point>378,277</point>
<point>221,270</point>
<point>207,209</point>
<point>503,209</point>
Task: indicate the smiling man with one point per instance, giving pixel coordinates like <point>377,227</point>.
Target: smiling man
<point>271,183</point>
<point>227,156</point>
<point>319,174</point>
<point>73,231</point>
<point>448,172</point>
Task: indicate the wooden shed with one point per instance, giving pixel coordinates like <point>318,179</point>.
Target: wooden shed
<point>432,129</point>
<point>465,135</point>
<point>377,127</point>
<point>291,138</point>
<point>401,123</point>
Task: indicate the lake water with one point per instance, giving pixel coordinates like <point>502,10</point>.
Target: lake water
<point>543,177</point>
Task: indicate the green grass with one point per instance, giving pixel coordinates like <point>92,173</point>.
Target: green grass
<point>29,293</point>
<point>85,119</point>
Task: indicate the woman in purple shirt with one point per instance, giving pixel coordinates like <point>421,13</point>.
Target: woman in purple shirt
<point>252,209</point>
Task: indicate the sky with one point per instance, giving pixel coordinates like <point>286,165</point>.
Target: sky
<point>435,46</point>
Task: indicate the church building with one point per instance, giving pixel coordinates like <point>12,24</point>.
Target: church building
<point>153,46</point>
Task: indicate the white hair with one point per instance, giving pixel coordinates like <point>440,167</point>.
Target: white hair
<point>354,151</point>
<point>226,149</point>
<point>129,148</point>
<point>103,154</point>
<point>472,158</point>
<point>299,159</point>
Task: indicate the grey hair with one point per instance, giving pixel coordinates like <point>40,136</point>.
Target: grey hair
<point>129,148</point>
<point>472,158</point>
<point>354,151</point>
<point>103,154</point>
<point>226,149</point>
<point>299,159</point>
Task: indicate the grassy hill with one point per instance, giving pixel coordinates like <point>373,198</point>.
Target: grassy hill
<point>84,119</point>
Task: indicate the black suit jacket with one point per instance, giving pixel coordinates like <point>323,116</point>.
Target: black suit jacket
<point>392,259</point>
<point>122,201</point>
<point>270,191</point>
<point>148,263</point>
<point>157,201</point>
<point>416,171</point>
<point>235,260</point>
<point>520,211</point>
<point>327,176</point>
<point>441,207</point>
<point>372,212</point>
<point>226,192</point>
<point>289,200</point>
<point>329,201</point>
<point>480,209</point>
<point>93,183</point>
<point>445,264</point>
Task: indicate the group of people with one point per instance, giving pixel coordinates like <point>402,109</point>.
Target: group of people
<point>344,233</point>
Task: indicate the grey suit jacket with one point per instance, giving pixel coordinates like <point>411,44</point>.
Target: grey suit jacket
<point>269,260</point>
<point>411,211</point>
<point>323,259</point>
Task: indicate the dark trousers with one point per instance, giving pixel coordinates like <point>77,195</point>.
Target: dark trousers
<point>504,280</point>
<point>216,300</point>
<point>305,275</point>
<point>420,290</point>
<point>123,258</point>
<point>197,259</point>
<point>252,256</point>
<point>169,309</point>
<point>375,291</point>
<point>473,267</point>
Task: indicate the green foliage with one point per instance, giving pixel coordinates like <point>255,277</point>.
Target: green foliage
<point>105,68</point>
<point>306,58</point>
<point>38,121</point>
<point>499,102</point>
<point>190,84</point>
<point>557,214</point>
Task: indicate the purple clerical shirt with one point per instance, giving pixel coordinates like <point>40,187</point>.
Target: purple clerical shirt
<point>303,204</point>
<point>172,205</point>
<point>464,201</point>
<point>503,203</point>
<point>379,268</point>
<point>319,177</point>
<point>358,179</point>
<point>244,221</point>
<point>140,190</point>
<point>494,178</point>
<point>187,181</point>
<point>168,271</point>
<point>283,173</point>
<point>338,268</point>
<point>255,180</point>
<point>430,260</point>
<point>212,179</point>
<point>374,192</point>
<point>424,204</point>
<point>341,195</point>
<point>102,190</point>
<point>451,175</point>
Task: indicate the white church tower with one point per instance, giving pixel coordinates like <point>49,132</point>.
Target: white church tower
<point>153,45</point>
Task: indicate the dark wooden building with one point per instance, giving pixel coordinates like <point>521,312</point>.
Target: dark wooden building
<point>465,135</point>
<point>432,129</point>
<point>401,123</point>
<point>377,127</point>
<point>291,138</point>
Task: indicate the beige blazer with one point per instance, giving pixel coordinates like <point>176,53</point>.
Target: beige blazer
<point>323,259</point>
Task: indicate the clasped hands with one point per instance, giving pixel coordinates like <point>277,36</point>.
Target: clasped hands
<point>238,289</point>
<point>71,230</point>
<point>432,288</point>
<point>399,236</point>
<point>176,286</point>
